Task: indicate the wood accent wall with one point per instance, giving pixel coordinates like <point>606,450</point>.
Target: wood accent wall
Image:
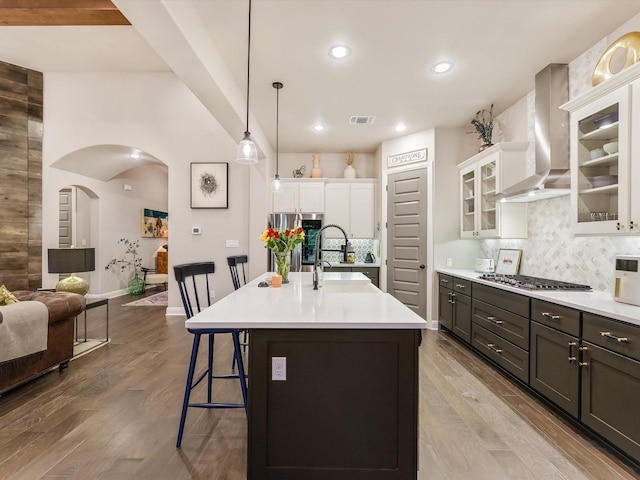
<point>21,127</point>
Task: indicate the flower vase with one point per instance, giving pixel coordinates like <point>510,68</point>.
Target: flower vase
<point>282,265</point>
<point>136,285</point>
<point>349,172</point>
<point>316,172</point>
<point>485,146</point>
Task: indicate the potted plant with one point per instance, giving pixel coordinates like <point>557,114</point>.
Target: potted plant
<point>130,259</point>
<point>484,127</point>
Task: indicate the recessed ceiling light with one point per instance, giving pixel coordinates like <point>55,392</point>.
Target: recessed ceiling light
<point>401,127</point>
<point>318,127</point>
<point>339,51</point>
<point>442,67</point>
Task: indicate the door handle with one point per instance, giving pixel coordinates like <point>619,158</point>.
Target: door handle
<point>571,357</point>
<point>423,266</point>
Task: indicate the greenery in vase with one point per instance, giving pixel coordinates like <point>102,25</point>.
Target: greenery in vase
<point>484,125</point>
<point>130,258</point>
<point>351,157</point>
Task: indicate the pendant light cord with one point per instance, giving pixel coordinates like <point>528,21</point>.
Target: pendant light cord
<point>277,125</point>
<point>248,63</point>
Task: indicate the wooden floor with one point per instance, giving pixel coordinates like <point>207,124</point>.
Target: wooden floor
<point>113,414</point>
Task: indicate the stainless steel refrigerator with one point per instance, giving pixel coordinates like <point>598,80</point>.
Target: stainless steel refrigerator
<point>303,256</point>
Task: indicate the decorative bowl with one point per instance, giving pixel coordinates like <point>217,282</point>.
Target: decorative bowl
<point>597,153</point>
<point>611,147</point>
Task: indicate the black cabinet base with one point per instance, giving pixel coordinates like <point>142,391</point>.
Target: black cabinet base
<point>348,408</point>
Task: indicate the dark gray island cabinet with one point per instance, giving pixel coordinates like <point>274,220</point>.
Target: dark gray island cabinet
<point>333,378</point>
<point>585,364</point>
<point>347,411</point>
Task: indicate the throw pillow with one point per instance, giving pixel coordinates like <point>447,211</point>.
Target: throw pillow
<point>6,297</point>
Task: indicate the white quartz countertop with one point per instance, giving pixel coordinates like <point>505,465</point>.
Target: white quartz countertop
<point>599,303</point>
<point>343,302</point>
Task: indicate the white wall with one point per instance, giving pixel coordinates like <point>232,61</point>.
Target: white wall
<point>157,114</point>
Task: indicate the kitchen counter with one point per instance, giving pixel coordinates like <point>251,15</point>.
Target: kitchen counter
<point>344,397</point>
<point>298,305</point>
<point>599,303</point>
<point>375,264</point>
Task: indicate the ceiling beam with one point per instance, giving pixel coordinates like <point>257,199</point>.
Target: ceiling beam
<point>22,13</point>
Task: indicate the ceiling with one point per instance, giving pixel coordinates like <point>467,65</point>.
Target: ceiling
<point>496,47</point>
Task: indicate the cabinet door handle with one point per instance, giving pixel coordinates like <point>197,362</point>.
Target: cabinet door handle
<point>495,320</point>
<point>618,226</point>
<point>453,298</point>
<point>550,315</point>
<point>571,357</point>
<point>493,347</point>
<point>459,285</point>
<point>614,337</point>
<point>444,280</point>
<point>632,225</point>
<point>583,364</point>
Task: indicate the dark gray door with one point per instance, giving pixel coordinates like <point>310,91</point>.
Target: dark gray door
<point>407,239</point>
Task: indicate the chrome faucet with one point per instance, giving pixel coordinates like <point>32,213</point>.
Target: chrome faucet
<point>316,261</point>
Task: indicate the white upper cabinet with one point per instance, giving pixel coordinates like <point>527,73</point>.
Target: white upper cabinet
<point>481,178</point>
<point>605,157</point>
<point>352,207</point>
<point>303,197</point>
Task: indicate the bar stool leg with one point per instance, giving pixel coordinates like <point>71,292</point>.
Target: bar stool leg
<point>187,390</point>
<point>237,352</point>
<point>210,367</point>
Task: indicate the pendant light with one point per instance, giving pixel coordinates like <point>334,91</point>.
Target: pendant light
<point>275,184</point>
<point>247,152</point>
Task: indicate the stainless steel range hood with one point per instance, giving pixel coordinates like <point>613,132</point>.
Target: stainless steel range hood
<point>552,177</point>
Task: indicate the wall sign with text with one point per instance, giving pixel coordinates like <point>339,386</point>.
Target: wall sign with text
<point>406,158</point>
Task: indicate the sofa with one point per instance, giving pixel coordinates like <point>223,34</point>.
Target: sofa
<point>36,334</point>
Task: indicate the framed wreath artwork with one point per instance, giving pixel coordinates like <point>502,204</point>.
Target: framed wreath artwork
<point>210,185</point>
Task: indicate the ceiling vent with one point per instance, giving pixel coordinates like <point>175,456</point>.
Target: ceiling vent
<point>361,120</point>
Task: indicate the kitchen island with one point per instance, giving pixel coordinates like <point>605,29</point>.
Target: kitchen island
<point>333,378</point>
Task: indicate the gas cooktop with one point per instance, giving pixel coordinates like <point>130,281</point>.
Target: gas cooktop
<point>533,283</point>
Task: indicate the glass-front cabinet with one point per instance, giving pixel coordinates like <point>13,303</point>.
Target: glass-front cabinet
<point>605,157</point>
<point>481,178</point>
<point>601,156</point>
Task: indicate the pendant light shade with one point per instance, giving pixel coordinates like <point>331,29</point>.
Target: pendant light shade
<point>247,152</point>
<point>275,184</point>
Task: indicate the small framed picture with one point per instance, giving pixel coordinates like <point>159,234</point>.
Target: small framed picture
<point>210,185</point>
<point>508,261</point>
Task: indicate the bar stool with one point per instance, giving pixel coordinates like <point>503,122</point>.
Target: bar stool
<point>234,262</point>
<point>193,278</point>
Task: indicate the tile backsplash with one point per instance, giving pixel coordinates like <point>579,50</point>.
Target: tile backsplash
<point>361,246</point>
<point>552,251</point>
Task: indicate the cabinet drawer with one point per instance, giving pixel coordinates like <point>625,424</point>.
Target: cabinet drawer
<point>462,286</point>
<point>508,325</point>
<point>512,302</point>
<point>561,318</point>
<point>611,334</point>
<point>445,280</point>
<point>513,359</point>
